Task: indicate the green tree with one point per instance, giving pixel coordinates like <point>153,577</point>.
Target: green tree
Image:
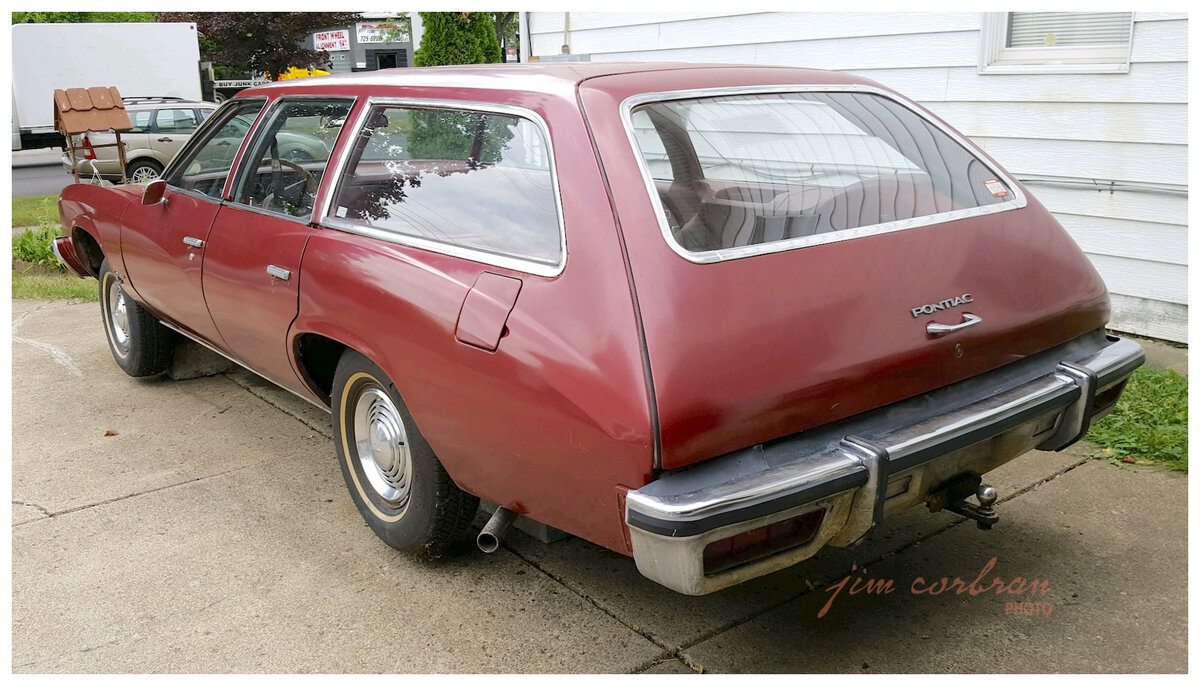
<point>80,17</point>
<point>506,30</point>
<point>260,42</point>
<point>457,38</point>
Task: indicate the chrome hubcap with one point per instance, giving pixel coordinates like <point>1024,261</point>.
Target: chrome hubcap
<point>382,446</point>
<point>143,175</point>
<point>118,315</point>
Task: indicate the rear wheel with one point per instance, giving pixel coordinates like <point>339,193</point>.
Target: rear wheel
<point>140,345</point>
<point>397,483</point>
<point>143,171</point>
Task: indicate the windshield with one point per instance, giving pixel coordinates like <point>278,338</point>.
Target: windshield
<point>809,168</point>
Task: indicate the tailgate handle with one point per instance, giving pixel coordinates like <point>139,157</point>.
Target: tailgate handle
<point>279,272</point>
<point>936,329</point>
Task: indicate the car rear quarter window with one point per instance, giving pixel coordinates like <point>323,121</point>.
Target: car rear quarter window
<point>176,120</point>
<point>479,181</point>
<point>736,175</point>
<point>140,120</point>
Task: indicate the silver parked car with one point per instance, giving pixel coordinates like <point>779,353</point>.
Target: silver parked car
<point>160,128</point>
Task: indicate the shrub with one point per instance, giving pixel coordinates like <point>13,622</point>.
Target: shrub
<point>34,245</point>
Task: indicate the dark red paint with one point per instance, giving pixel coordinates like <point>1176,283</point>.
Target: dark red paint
<point>547,408</point>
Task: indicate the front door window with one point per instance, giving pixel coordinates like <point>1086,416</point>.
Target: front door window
<point>204,167</point>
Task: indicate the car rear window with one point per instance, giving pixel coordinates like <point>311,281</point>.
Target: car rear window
<point>742,174</point>
<point>176,120</point>
<point>140,120</point>
<point>475,180</point>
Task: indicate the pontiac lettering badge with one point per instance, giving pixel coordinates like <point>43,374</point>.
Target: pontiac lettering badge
<point>943,305</point>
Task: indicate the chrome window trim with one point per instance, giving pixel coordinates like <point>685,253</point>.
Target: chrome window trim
<point>518,264</point>
<point>302,221</point>
<point>710,256</point>
<point>257,132</point>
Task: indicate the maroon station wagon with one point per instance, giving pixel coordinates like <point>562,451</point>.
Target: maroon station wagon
<point>712,317</point>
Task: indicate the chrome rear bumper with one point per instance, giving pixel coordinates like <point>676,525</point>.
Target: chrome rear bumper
<point>874,464</point>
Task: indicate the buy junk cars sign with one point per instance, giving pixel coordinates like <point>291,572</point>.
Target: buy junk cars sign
<point>331,40</point>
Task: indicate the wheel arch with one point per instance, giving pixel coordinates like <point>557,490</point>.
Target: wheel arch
<point>147,157</point>
<point>316,351</point>
<point>88,249</point>
<point>316,357</point>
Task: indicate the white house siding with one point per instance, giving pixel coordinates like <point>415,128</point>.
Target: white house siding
<point>1129,128</point>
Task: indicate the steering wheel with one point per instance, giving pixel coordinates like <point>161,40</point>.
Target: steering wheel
<point>310,181</point>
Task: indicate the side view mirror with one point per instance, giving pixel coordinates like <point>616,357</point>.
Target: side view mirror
<point>154,192</point>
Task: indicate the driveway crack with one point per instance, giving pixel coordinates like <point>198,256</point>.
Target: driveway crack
<point>108,501</point>
<point>669,653</point>
<point>323,430</point>
<point>30,503</point>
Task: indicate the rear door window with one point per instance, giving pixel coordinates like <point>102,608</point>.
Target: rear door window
<point>454,181</point>
<point>742,174</point>
<point>283,168</point>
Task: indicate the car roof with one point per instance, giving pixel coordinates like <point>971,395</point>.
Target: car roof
<point>157,103</point>
<point>550,77</point>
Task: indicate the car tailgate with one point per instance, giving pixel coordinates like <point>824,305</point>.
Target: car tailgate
<point>759,346</point>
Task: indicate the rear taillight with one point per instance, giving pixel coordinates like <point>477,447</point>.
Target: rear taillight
<point>762,542</point>
<point>88,152</point>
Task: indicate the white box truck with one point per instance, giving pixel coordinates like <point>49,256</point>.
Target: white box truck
<point>141,60</point>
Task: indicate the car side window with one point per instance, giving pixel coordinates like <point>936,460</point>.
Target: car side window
<point>283,169</point>
<point>205,164</point>
<point>470,179</point>
<point>140,120</point>
<point>176,120</point>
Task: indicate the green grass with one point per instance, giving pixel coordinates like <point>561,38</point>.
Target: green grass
<point>35,211</point>
<point>54,287</point>
<point>1149,424</point>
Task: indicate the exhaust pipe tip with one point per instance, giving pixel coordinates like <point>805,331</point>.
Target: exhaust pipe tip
<point>487,542</point>
<point>493,532</point>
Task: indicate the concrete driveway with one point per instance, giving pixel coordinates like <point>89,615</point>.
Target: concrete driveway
<point>213,533</point>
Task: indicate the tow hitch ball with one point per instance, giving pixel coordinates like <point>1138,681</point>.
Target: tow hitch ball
<point>953,497</point>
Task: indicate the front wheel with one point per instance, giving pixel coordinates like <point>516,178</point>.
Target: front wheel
<point>397,483</point>
<point>139,344</point>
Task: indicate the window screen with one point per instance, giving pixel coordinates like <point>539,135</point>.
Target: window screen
<point>748,170</point>
<point>477,180</point>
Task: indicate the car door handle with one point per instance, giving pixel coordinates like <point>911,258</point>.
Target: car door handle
<point>193,242</point>
<point>278,272</point>
<point>164,139</point>
<point>936,329</point>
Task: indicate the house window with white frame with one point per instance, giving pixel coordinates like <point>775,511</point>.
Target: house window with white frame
<point>1055,42</point>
